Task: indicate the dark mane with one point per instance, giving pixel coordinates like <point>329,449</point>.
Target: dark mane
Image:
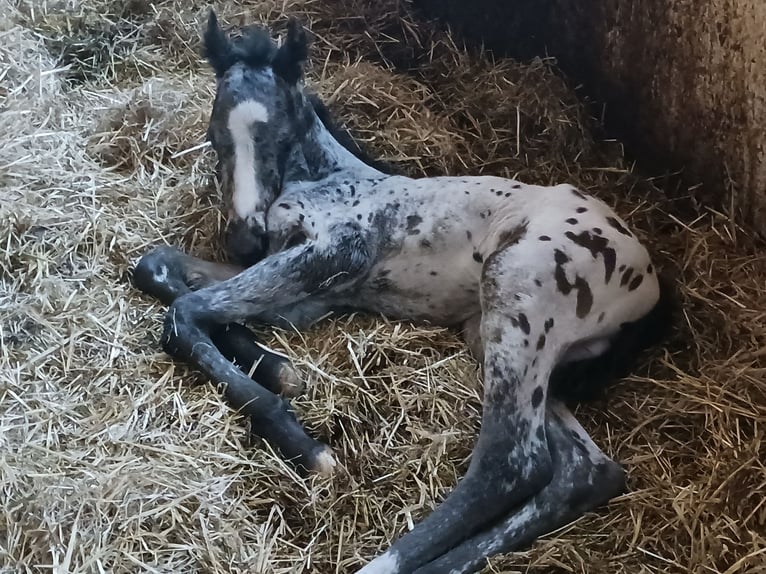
<point>253,47</point>
<point>344,138</point>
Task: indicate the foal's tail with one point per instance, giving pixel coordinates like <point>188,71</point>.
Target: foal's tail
<point>586,380</point>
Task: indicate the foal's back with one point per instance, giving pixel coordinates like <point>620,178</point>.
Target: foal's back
<point>431,237</point>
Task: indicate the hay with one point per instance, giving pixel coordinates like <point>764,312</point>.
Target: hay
<point>111,460</point>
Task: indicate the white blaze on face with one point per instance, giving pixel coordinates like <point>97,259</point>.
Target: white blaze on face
<point>248,196</point>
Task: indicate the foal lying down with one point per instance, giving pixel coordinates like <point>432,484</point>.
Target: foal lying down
<point>549,285</point>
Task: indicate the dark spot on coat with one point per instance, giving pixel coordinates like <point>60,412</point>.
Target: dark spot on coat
<point>649,269</point>
<point>548,324</point>
<point>596,245</point>
<point>498,193</point>
<point>301,204</point>
<point>601,317</point>
<point>524,323</point>
<point>469,235</point>
<point>584,294</point>
<point>598,230</point>
<point>425,244</point>
<point>352,189</point>
<point>540,433</point>
<point>537,397</point>
<point>359,216</point>
<point>356,202</point>
<point>516,186</point>
<point>577,193</point>
<point>582,209</point>
<point>621,268</point>
<point>544,238</point>
<point>572,221</point>
<point>618,226</point>
<point>477,257</point>
<point>584,297</point>
<point>538,283</point>
<point>626,276</point>
<point>412,223</point>
<point>541,343</point>
<point>562,283</point>
<point>637,280</point>
<point>284,205</point>
<point>526,342</point>
<point>434,273</point>
<point>301,217</point>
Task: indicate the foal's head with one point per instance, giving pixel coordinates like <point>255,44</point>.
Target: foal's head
<point>260,114</point>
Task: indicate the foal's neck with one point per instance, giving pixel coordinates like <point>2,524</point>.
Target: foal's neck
<point>320,155</point>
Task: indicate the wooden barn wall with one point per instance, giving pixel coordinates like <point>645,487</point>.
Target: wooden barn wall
<point>684,81</point>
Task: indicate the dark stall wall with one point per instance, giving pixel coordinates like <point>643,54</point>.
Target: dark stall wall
<point>684,80</point>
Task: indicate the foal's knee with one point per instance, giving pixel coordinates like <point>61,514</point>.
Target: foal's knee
<point>158,274</point>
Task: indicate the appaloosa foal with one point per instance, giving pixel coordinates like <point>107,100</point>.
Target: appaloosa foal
<point>547,283</point>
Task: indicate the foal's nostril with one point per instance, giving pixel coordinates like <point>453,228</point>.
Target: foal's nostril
<point>245,244</point>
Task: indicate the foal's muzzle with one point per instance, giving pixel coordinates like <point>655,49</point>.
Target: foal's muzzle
<point>245,241</point>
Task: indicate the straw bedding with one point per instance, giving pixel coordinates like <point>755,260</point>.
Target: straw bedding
<point>114,458</point>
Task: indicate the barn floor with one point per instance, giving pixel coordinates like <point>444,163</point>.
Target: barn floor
<point>115,459</point>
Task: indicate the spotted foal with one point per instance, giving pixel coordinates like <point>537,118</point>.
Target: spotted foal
<point>549,285</point>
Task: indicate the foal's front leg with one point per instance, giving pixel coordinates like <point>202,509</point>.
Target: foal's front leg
<point>166,273</point>
<point>291,277</point>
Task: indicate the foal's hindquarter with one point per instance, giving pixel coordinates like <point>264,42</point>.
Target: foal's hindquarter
<point>537,277</point>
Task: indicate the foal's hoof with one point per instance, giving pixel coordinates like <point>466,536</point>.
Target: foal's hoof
<point>290,384</point>
<point>323,462</point>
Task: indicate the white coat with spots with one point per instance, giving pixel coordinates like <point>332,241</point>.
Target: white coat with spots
<point>546,282</point>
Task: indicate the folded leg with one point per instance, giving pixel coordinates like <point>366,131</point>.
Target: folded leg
<point>299,276</point>
<point>166,273</point>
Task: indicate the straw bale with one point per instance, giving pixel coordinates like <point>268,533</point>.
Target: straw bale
<point>115,458</point>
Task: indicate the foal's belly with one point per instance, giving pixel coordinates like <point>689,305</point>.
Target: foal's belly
<point>440,287</point>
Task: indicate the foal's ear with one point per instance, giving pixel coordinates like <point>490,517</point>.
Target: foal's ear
<point>217,47</point>
<point>291,55</point>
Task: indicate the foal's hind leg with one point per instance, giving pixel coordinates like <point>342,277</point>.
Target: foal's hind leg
<point>583,479</point>
<point>166,273</point>
<point>510,460</point>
